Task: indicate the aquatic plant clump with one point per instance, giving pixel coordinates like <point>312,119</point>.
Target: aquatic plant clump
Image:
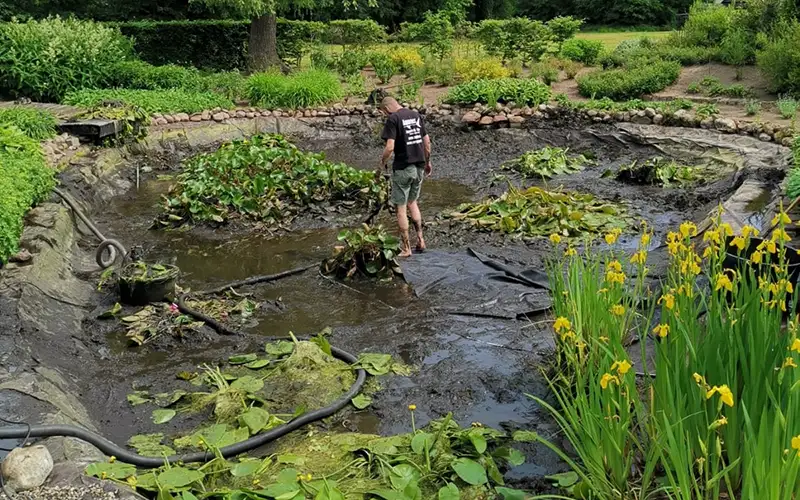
<point>717,412</point>
<point>539,212</point>
<point>547,162</point>
<point>658,170</point>
<point>264,178</point>
<point>366,251</point>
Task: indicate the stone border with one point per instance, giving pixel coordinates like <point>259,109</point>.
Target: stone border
<point>482,116</point>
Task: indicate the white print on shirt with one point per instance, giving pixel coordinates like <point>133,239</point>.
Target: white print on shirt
<point>412,129</point>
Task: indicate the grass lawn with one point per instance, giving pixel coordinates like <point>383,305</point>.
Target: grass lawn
<point>611,40</point>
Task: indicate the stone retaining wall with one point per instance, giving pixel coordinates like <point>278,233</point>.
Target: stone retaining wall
<point>482,116</point>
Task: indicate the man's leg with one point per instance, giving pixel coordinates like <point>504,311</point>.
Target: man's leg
<point>402,222</point>
<point>400,192</point>
<point>416,218</point>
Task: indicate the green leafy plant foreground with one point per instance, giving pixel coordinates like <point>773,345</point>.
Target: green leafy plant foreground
<point>659,171</point>
<point>264,178</point>
<point>538,212</point>
<point>547,162</point>
<point>630,82</point>
<point>366,251</point>
<point>25,180</point>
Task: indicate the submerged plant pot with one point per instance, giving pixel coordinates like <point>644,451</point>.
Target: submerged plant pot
<point>141,284</point>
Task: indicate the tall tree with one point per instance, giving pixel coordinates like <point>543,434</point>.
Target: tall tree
<point>263,47</point>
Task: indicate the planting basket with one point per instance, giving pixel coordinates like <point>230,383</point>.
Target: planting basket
<point>136,291</point>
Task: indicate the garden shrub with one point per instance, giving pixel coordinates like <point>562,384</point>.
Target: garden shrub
<point>780,58</point>
<point>383,65</point>
<point>527,92</point>
<point>517,37</point>
<point>564,27</point>
<point>707,24</point>
<point>583,51</point>
<point>152,101</point>
<point>437,35</point>
<point>145,76</point>
<point>25,180</point>
<point>357,32</point>
<point>300,90</point>
<point>406,58</point>
<point>43,60</point>
<point>408,32</point>
<point>484,68</point>
<point>230,84</point>
<point>214,45</point>
<point>736,48</point>
<point>351,62</point>
<point>35,123</point>
<point>631,82</point>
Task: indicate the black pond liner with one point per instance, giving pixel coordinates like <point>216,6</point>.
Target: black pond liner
<point>136,291</point>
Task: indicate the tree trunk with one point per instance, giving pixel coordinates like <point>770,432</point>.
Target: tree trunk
<point>263,50</point>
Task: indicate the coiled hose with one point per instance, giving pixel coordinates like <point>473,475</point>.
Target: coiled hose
<point>127,456</point>
<point>114,247</point>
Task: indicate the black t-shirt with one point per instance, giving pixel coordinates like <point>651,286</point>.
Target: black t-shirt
<point>407,128</point>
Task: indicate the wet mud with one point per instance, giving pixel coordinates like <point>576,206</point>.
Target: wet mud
<point>478,368</point>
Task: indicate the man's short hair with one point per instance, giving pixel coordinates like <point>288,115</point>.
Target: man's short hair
<point>388,101</point>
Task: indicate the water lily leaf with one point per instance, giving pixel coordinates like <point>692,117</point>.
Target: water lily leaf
<point>449,492</point>
<point>328,492</point>
<point>188,495</point>
<point>255,419</point>
<point>163,416</point>
<point>147,481</point>
<point>389,494</point>
<point>149,445</point>
<point>242,359</point>
<point>248,384</point>
<point>514,457</point>
<point>111,312</point>
<point>169,398</point>
<point>280,348</point>
<point>478,441</point>
<point>525,436</point>
<point>138,398</point>
<point>470,471</point>
<point>422,441</point>
<point>402,475</point>
<point>107,470</point>
<point>257,364</point>
<point>375,364</point>
<point>245,468</point>
<point>179,477</point>
<point>361,401</point>
<point>282,491</point>
<point>290,459</point>
<point>492,470</point>
<point>564,479</point>
<point>511,494</point>
<point>288,476</point>
<point>323,344</point>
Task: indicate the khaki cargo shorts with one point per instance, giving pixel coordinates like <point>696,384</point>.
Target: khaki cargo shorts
<point>406,184</point>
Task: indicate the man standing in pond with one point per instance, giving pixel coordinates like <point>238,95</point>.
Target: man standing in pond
<point>405,136</point>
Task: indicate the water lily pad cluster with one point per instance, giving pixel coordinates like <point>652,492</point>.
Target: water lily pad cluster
<point>155,320</point>
<point>539,212</point>
<point>369,251</point>
<point>547,162</point>
<point>658,171</point>
<point>442,460</point>
<point>264,178</point>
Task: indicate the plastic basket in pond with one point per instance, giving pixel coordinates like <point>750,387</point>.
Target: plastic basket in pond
<point>141,283</point>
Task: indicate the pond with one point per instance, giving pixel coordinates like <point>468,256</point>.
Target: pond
<point>478,368</point>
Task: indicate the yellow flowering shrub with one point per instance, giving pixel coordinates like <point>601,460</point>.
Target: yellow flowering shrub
<point>484,68</point>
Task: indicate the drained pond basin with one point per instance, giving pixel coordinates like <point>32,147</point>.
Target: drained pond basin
<point>475,356</point>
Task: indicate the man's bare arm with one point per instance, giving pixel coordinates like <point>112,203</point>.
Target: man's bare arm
<point>387,152</point>
<point>426,142</point>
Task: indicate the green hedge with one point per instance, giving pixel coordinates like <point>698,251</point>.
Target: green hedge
<point>630,82</point>
<point>307,88</point>
<point>152,101</point>
<point>528,92</point>
<point>215,45</point>
<point>25,180</point>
